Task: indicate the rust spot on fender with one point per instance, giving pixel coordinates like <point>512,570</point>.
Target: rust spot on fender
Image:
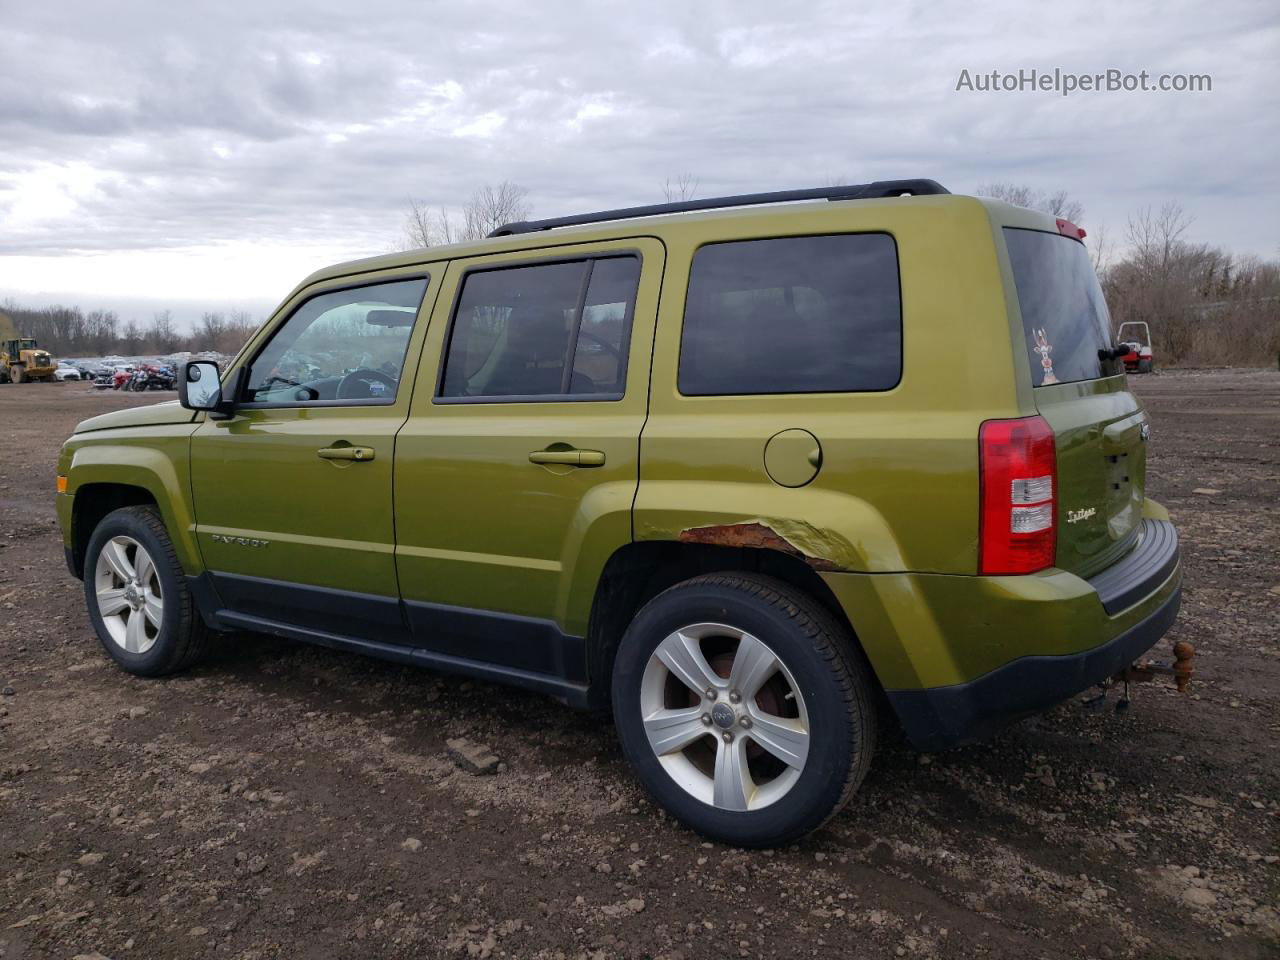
<point>755,536</point>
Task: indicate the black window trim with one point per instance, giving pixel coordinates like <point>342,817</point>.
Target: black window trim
<point>355,402</point>
<point>592,257</point>
<point>902,333</point>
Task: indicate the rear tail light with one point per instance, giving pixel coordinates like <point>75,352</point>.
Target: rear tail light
<point>1019,512</point>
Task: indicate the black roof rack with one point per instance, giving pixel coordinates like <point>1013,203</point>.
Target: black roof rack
<point>856,191</point>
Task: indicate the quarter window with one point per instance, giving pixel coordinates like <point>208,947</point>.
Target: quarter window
<point>547,330</point>
<point>793,315</point>
<point>348,345</point>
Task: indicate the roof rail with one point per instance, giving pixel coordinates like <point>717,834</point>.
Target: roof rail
<point>857,191</point>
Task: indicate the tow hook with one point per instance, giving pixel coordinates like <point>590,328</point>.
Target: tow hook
<point>1144,672</point>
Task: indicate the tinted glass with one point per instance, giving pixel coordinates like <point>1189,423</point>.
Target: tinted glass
<point>600,358</point>
<point>517,331</point>
<point>793,315</point>
<point>1064,316</point>
<point>345,345</point>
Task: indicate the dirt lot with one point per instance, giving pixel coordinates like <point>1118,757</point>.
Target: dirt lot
<point>289,801</point>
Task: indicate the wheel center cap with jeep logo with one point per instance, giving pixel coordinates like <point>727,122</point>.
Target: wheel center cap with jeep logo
<point>722,716</point>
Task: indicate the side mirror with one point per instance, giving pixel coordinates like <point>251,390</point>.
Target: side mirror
<point>198,386</point>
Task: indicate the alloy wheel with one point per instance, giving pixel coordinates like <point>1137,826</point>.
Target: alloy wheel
<point>130,598</point>
<point>724,716</point>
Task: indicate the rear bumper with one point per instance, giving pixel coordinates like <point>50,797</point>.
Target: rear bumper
<point>941,717</point>
<point>960,656</point>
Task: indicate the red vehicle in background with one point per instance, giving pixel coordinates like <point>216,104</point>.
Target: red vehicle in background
<point>1139,359</point>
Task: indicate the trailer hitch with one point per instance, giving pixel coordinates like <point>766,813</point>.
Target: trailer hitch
<point>1145,672</point>
<point>1181,669</point>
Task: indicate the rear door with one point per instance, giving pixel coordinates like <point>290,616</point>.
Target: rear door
<point>516,471</point>
<point>1099,424</point>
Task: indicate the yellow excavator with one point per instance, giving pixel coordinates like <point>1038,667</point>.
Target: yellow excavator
<point>22,359</point>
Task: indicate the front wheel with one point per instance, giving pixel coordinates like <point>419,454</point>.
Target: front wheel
<point>137,596</point>
<point>744,707</point>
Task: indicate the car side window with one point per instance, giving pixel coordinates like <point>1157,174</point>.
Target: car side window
<point>345,346</point>
<point>793,315</point>
<point>543,331</point>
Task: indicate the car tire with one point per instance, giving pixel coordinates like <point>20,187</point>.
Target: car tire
<point>760,766</point>
<point>137,595</point>
<point>1144,366</point>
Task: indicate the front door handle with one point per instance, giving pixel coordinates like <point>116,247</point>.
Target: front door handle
<point>346,453</point>
<point>572,458</point>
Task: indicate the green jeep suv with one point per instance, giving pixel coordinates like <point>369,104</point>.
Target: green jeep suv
<point>743,470</point>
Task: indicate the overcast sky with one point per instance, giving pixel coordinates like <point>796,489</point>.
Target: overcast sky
<point>208,156</point>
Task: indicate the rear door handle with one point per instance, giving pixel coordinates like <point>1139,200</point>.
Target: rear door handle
<point>346,453</point>
<point>572,458</point>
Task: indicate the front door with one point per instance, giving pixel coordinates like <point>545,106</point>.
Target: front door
<point>293,493</point>
<point>516,471</point>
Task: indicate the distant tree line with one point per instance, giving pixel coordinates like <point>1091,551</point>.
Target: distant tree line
<point>72,332</point>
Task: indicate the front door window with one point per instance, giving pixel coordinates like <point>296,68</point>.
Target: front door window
<point>347,345</point>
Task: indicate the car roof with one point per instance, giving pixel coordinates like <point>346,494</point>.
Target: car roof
<point>657,225</point>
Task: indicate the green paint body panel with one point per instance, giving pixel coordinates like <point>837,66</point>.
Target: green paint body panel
<point>479,525</point>
<point>451,510</point>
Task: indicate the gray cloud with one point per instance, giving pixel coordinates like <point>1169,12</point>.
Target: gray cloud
<point>159,125</point>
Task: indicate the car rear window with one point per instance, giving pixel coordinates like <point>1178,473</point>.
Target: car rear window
<point>1064,316</point>
<point>793,315</point>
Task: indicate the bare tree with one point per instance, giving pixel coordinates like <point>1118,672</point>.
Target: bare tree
<point>489,208</point>
<point>240,328</point>
<point>424,227</point>
<point>161,333</point>
<point>1156,238</point>
<point>419,226</point>
<point>1099,250</point>
<point>100,330</point>
<point>210,330</point>
<point>683,187</point>
<point>131,337</point>
<point>1161,279</point>
<point>1058,203</point>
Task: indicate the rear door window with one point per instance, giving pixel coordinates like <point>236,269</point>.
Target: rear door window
<point>1065,320</point>
<point>793,315</point>
<point>545,331</point>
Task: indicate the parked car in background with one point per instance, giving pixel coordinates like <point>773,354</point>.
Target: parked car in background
<point>744,475</point>
<point>64,371</point>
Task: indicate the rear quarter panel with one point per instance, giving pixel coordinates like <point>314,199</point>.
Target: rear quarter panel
<point>898,485</point>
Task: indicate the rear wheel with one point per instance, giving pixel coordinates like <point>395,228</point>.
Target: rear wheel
<point>744,708</point>
<point>16,373</point>
<point>137,595</point>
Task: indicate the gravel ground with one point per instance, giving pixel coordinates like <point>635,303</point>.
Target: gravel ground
<point>289,801</point>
